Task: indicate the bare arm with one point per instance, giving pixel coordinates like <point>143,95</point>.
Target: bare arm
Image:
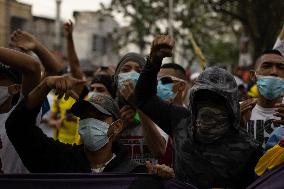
<point>72,55</point>
<point>61,84</point>
<point>28,42</point>
<point>29,67</point>
<point>154,140</point>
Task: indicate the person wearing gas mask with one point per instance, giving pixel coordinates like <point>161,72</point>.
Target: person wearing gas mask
<point>266,112</point>
<point>211,149</point>
<point>99,125</point>
<point>19,73</point>
<point>145,140</point>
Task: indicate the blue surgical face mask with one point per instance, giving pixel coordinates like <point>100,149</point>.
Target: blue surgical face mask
<point>270,87</point>
<point>165,91</point>
<point>93,132</point>
<point>128,76</point>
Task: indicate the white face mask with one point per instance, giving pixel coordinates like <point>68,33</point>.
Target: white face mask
<point>4,94</point>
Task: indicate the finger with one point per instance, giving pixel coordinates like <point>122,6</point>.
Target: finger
<point>277,114</point>
<point>66,96</point>
<point>279,105</point>
<point>124,108</point>
<point>58,86</point>
<point>280,110</point>
<point>244,109</point>
<point>127,115</point>
<point>278,122</point>
<point>65,86</point>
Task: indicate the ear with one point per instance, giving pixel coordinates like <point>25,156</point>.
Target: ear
<point>181,86</point>
<point>14,89</point>
<point>117,127</point>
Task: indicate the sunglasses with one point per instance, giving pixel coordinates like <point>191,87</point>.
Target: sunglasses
<point>170,79</point>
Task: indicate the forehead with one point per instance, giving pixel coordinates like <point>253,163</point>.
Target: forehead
<point>131,63</point>
<point>271,58</point>
<point>168,72</point>
<point>97,85</point>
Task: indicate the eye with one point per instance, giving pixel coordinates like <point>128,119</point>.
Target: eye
<point>125,69</point>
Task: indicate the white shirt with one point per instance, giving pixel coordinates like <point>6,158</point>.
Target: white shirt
<point>11,162</point>
<point>101,169</point>
<point>260,125</point>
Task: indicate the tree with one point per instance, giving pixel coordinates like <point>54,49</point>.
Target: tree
<point>212,22</point>
<point>261,19</point>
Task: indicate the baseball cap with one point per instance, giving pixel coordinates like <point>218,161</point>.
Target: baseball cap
<point>104,104</point>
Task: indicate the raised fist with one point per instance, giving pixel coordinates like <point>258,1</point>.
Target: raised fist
<point>23,40</point>
<point>68,29</point>
<point>162,46</point>
<point>64,85</point>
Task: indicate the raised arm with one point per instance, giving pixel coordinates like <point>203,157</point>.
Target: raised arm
<point>29,67</point>
<point>38,152</point>
<point>28,42</point>
<point>158,110</point>
<point>72,55</point>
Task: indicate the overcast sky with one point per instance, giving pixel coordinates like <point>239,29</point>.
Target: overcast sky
<point>47,7</point>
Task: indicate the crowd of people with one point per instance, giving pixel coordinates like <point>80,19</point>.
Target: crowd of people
<point>140,117</point>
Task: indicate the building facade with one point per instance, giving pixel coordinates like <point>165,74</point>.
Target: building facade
<point>13,16</point>
<point>94,34</point>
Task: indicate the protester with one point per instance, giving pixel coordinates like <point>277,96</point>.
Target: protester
<point>211,150</point>
<point>141,148</point>
<point>99,125</point>
<point>102,84</point>
<point>266,115</point>
<point>14,66</point>
<point>172,85</point>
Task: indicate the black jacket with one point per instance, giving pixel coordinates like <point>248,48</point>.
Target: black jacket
<point>41,154</point>
<point>227,162</point>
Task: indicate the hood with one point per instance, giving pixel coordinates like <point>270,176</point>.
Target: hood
<point>222,83</point>
<point>127,57</point>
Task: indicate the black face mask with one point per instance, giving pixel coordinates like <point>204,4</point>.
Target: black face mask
<point>211,124</point>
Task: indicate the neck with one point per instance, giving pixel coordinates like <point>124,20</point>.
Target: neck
<point>100,157</point>
<point>178,100</point>
<point>268,103</point>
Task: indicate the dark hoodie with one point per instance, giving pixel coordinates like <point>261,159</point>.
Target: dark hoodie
<point>228,161</point>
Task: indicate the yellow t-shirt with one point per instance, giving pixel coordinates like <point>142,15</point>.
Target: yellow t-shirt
<point>68,132</point>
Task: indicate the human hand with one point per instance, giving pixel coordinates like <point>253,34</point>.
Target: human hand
<point>162,171</point>
<point>162,46</point>
<point>127,92</point>
<point>68,29</point>
<point>23,40</point>
<point>279,112</point>
<point>64,85</point>
<point>127,113</point>
<point>245,110</point>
